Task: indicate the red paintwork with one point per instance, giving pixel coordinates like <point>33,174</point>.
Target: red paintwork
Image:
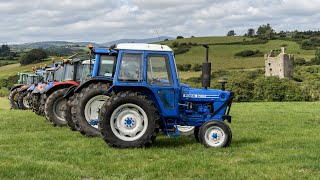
<point>24,87</point>
<point>66,82</point>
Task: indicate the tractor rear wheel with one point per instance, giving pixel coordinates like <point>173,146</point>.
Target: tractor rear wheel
<point>13,99</point>
<point>23,102</point>
<point>215,134</point>
<point>86,106</point>
<point>67,114</point>
<point>53,107</point>
<point>129,120</point>
<point>35,103</point>
<point>43,99</point>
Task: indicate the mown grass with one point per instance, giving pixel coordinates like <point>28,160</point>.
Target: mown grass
<point>270,141</point>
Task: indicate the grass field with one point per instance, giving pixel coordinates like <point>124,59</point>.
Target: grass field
<point>270,141</point>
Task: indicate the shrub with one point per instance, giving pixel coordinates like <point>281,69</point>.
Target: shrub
<point>181,50</point>
<point>242,86</point>
<point>275,89</point>
<point>300,62</point>
<point>179,37</point>
<point>180,67</point>
<point>175,44</point>
<point>186,67</point>
<point>247,53</point>
<point>196,67</point>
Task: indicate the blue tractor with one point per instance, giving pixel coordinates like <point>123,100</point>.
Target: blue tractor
<point>85,101</point>
<point>145,95</point>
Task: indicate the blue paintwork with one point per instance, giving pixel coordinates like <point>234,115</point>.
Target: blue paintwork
<point>178,104</point>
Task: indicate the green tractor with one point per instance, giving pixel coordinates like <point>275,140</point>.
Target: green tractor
<point>24,79</point>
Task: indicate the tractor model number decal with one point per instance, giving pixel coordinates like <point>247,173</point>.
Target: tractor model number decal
<point>199,96</point>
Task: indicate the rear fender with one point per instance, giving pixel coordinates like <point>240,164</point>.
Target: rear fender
<point>15,87</point>
<point>91,81</point>
<point>57,86</point>
<point>70,92</point>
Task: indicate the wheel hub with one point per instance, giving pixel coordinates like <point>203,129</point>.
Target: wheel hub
<point>129,122</point>
<point>214,136</point>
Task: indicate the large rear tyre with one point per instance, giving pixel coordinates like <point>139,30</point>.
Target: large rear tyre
<point>36,103</point>
<point>86,106</point>
<point>23,102</point>
<point>129,120</point>
<point>215,134</point>
<point>53,108</point>
<point>67,114</point>
<point>43,99</point>
<point>13,99</point>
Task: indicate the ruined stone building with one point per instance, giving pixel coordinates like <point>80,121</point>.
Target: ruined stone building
<point>281,65</point>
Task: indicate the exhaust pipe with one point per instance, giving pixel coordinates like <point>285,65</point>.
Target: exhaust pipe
<point>206,70</point>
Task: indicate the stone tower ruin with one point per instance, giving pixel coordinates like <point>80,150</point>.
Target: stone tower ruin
<point>281,65</point>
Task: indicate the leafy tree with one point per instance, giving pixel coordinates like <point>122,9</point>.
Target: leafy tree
<point>35,55</point>
<point>251,32</point>
<point>175,44</point>
<point>265,31</point>
<point>231,33</point>
<point>179,37</point>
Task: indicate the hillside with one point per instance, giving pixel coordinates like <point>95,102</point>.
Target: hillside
<point>221,56</point>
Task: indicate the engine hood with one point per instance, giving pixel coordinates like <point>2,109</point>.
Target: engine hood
<point>204,95</point>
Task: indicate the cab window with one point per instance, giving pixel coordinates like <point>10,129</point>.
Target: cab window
<point>159,71</point>
<point>130,67</point>
<point>106,65</point>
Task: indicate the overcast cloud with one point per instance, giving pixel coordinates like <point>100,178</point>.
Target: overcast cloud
<point>101,21</point>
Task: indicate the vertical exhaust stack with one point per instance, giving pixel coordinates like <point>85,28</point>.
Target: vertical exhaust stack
<point>206,70</point>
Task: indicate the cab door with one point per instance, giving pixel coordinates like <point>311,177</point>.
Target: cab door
<point>160,79</point>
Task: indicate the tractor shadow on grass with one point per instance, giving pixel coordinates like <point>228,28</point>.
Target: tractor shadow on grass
<point>246,141</point>
<point>166,142</point>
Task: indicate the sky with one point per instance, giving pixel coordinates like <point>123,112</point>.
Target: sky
<point>101,21</point>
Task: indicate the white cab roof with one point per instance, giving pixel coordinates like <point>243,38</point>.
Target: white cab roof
<point>143,46</point>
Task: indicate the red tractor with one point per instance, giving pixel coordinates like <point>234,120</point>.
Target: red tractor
<point>53,99</point>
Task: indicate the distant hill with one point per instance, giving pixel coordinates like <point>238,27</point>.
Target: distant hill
<point>52,44</point>
<point>148,40</point>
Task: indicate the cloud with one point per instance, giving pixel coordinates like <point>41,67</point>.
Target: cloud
<point>101,21</point>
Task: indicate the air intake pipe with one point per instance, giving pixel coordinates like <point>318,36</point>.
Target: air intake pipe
<point>206,70</point>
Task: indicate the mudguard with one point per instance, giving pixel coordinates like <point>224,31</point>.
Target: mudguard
<point>93,80</point>
<point>57,86</point>
<point>70,92</point>
<point>15,87</point>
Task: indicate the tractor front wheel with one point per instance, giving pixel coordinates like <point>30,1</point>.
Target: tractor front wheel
<point>23,102</point>
<point>67,114</point>
<point>13,98</point>
<point>35,103</point>
<point>129,120</point>
<point>215,134</point>
<point>53,107</point>
<point>86,106</point>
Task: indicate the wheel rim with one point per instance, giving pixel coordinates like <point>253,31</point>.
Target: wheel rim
<point>185,129</point>
<point>92,108</point>
<point>58,113</point>
<point>25,101</point>
<point>215,136</point>
<point>15,97</point>
<point>129,122</point>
